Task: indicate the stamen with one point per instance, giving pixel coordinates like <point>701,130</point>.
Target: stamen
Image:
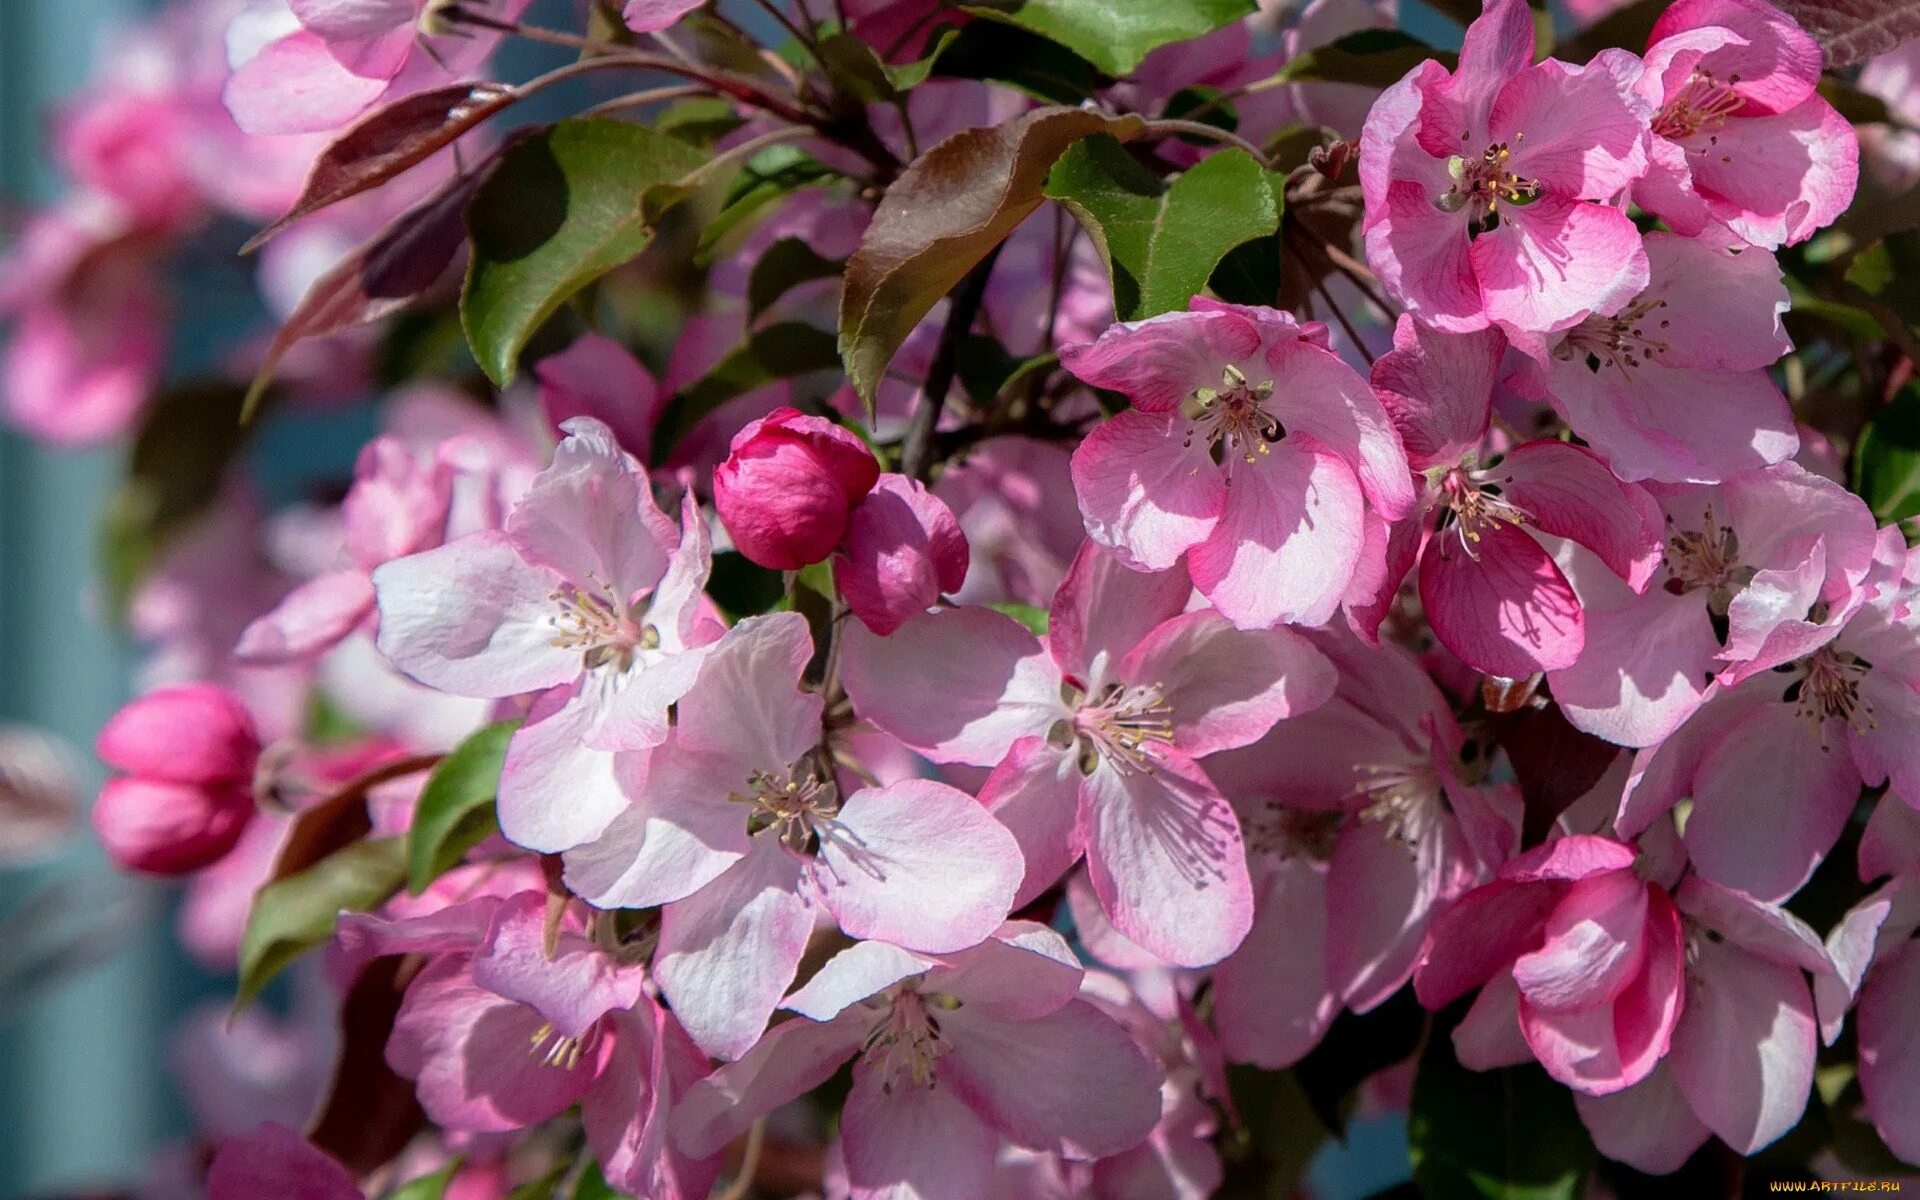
<point>1702,104</point>
<point>1475,507</point>
<point>1124,726</point>
<point>1406,798</point>
<point>1621,341</point>
<point>603,631</point>
<point>907,1041</point>
<point>1233,418</point>
<point>563,1052</point>
<point>1830,687</point>
<point>1481,185</point>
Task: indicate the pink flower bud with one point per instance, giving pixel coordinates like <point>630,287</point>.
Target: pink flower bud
<point>787,486</point>
<point>904,548</point>
<point>167,828</point>
<point>197,734</point>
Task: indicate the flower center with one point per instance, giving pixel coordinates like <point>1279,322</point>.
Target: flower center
<point>1707,559</point>
<point>797,803</point>
<point>1829,687</point>
<point>604,632</point>
<point>1280,832</point>
<point>1481,185</point>
<point>1620,341</point>
<point>1404,798</point>
<point>1124,725</point>
<point>556,1051</point>
<point>1474,507</point>
<point>1233,417</point>
<point>1702,105</point>
<point>906,1042</point>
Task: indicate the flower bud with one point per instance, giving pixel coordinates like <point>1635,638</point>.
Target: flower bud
<point>787,486</point>
<point>165,828</point>
<point>904,548</point>
<point>196,734</point>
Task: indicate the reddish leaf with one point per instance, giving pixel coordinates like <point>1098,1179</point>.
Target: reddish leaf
<point>378,279</point>
<point>370,1113</point>
<point>1852,31</point>
<point>388,142</point>
<point>341,819</point>
<point>950,207</point>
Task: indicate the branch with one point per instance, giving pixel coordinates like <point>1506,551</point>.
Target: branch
<point>916,452</point>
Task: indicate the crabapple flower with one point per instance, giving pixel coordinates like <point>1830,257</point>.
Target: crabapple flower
<point>952,1055</point>
<point>1788,750</point>
<point>1590,956</point>
<point>189,755</point>
<point>1491,590</point>
<point>739,828</point>
<point>589,597</point>
<point>789,486</point>
<point>1488,188</point>
<point>1251,449</point>
<point>398,505</point>
<point>1741,138</point>
<point>501,1035</point>
<point>1364,818</point>
<point>1741,1063</point>
<point>903,550</point>
<point>1673,386</point>
<point>1094,735</point>
<point>1758,571</point>
<point>1877,968</point>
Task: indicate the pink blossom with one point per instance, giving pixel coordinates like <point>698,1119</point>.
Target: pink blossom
<point>789,486</point>
<point>954,1054</point>
<point>1490,588</point>
<point>1758,571</point>
<point>1365,817</point>
<point>1741,1063</point>
<point>1588,955</point>
<point>1788,750</point>
<point>1674,386</point>
<point>738,826</point>
<point>1740,136</point>
<point>590,597</point>
<point>1487,187</point>
<point>187,795</point>
<point>903,550</point>
<point>1094,736</point>
<point>1250,449</point>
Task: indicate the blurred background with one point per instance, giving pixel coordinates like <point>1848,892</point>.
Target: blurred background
<point>93,984</point>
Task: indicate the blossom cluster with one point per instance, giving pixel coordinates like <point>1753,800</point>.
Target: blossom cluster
<point>1083,717</point>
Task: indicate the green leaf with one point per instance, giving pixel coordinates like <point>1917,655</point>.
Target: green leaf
<point>908,76</point>
<point>769,176</point>
<point>699,120</point>
<point>856,70</point>
<point>1368,57</point>
<point>787,264</point>
<point>1115,35</point>
<point>779,351</point>
<point>1507,1134</point>
<point>1027,62</point>
<point>594,1186</point>
<point>563,207</point>
<point>1886,459</point>
<point>456,811</point>
<point>1031,616</point>
<point>427,1187</point>
<point>300,912</point>
<point>1161,241</point>
<point>942,216</point>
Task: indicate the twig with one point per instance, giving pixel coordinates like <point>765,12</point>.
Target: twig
<point>678,91</point>
<point>1167,126</point>
<point>916,451</point>
<point>742,1185</point>
<point>800,35</point>
<point>1339,314</point>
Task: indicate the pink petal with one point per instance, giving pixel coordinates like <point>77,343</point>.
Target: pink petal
<point>1289,540</point>
<point>1775,62</point>
<point>1383,892</point>
<point>472,618</point>
<point>909,1140</point>
<point>1489,1036</point>
<point>958,685</point>
<point>1330,402</point>
<point>747,709</point>
<point>1157,363</point>
<point>1766,931</point>
<point>1072,1080</point>
<point>919,864</point>
<point>1035,794</point>
<point>1166,859</point>
<point>556,792</point>
<point>729,951</point>
<point>1776,180</point>
<point>1890,1051</point>
<point>1104,608</point>
<point>1478,935</point>
<point>1507,610</point>
<point>861,970</point>
<point>1648,1126</point>
<point>1272,1001</point>
<point>600,378</point>
<point>791,1060</point>
<point>1567,492</point>
<point>1438,389</point>
<point>1498,47</point>
<point>1743,1052</point>
<point>1554,261</point>
<point>1144,492</point>
<point>1228,686</point>
<point>273,1160</point>
<point>1593,945</point>
<point>626,1113</point>
<point>1425,260</point>
<point>1720,306</point>
<point>903,549</point>
<point>651,16</point>
<point>1643,669</point>
<point>1580,131</point>
<point>312,619</point>
<point>1022,972</point>
<point>1568,859</point>
<point>678,833</point>
<point>590,516</point>
<point>295,85</point>
<point>574,987</point>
